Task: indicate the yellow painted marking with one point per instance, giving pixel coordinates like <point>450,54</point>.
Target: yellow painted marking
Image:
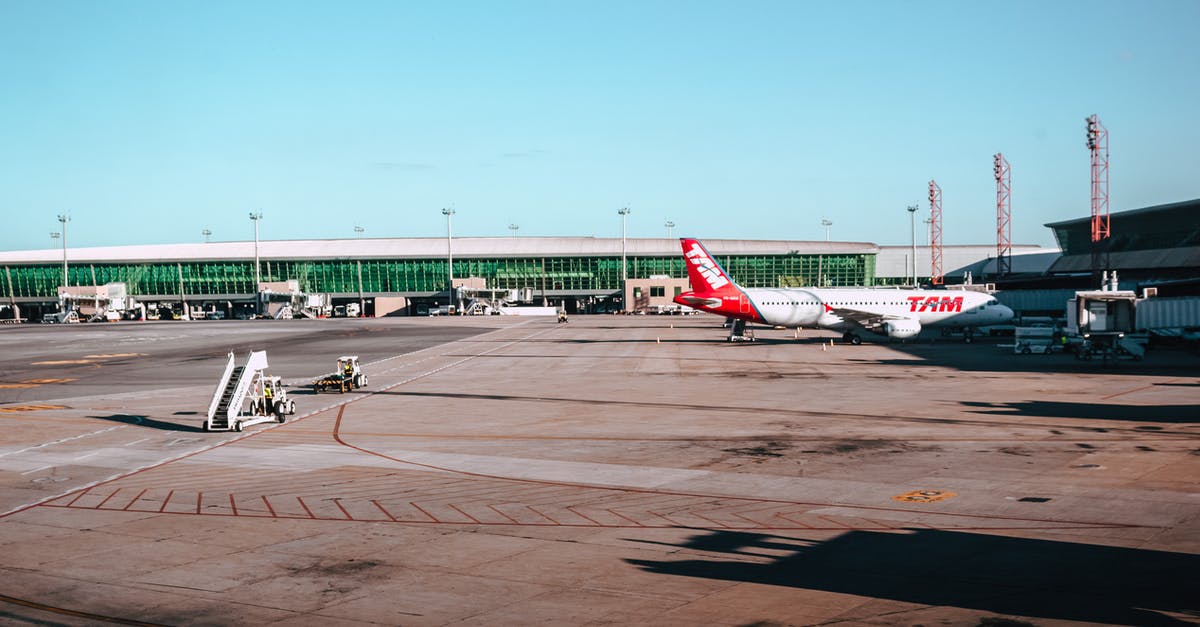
<point>924,496</point>
<point>16,386</point>
<point>114,355</point>
<point>62,362</point>
<point>43,381</point>
<point>16,408</point>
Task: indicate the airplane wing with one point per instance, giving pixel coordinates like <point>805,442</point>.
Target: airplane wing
<point>867,320</point>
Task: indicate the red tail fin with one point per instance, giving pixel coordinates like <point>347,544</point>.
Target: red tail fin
<point>705,274</point>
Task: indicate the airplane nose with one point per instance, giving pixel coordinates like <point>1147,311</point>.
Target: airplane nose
<point>1006,313</point>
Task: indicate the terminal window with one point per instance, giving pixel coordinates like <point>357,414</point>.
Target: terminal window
<point>657,291</point>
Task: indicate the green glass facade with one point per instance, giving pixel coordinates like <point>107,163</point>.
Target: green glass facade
<point>570,274</point>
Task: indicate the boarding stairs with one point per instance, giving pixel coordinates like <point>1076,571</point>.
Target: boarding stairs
<point>225,410</point>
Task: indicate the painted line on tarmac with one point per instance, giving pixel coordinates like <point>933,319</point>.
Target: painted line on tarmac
<point>74,437</point>
<point>121,475</point>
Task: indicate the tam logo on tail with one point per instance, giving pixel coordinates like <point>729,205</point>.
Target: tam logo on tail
<point>705,266</point>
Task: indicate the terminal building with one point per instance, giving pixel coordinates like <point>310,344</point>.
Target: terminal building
<point>579,274</point>
<point>1154,246</point>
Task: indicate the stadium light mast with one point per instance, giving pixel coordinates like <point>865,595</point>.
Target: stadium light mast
<point>64,218</point>
<point>1097,143</point>
<point>449,211</point>
<point>935,234</point>
<point>1003,174</point>
<point>912,218</point>
<point>255,216</point>
<point>624,211</point>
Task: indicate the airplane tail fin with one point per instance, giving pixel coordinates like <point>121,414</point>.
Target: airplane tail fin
<point>704,273</point>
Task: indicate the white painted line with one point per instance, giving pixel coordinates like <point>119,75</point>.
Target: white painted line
<point>74,437</point>
<point>137,441</point>
<point>86,455</point>
<point>30,472</point>
<point>133,471</point>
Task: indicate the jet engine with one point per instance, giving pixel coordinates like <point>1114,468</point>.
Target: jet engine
<point>901,329</point>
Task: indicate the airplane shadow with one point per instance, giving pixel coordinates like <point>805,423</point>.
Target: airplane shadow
<point>151,423</point>
<point>1014,576</point>
<point>981,358</point>
<point>1178,414</point>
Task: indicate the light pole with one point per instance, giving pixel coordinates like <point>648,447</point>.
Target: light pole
<point>928,230</point>
<point>826,223</point>
<point>514,228</point>
<point>206,233</point>
<point>54,235</point>
<point>255,216</point>
<point>449,249</point>
<point>912,218</point>
<point>624,211</point>
<point>358,230</point>
<point>64,218</point>
<point>670,226</point>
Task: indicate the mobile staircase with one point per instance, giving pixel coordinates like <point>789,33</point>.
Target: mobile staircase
<point>225,410</point>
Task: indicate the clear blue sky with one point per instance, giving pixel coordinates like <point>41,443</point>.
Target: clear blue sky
<point>151,121</point>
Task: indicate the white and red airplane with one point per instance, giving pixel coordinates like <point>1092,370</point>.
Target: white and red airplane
<point>894,313</point>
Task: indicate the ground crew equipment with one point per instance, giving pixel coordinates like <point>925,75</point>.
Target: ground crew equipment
<point>348,376</point>
<point>239,384</point>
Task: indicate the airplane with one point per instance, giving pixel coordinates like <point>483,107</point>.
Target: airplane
<point>894,313</point>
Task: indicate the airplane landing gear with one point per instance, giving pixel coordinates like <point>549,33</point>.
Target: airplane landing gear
<point>852,338</point>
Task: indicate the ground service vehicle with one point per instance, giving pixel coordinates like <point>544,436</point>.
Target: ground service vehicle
<point>348,376</point>
<point>270,397</point>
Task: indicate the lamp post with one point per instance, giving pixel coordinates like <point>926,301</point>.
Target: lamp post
<point>54,235</point>
<point>64,218</point>
<point>206,233</point>
<point>514,228</point>
<point>449,249</point>
<point>255,216</point>
<point>826,223</point>
<point>624,211</point>
<point>358,230</point>
<point>670,226</point>
<point>928,230</point>
<point>912,218</point>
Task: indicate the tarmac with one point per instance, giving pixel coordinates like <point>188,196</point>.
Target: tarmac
<point>611,470</point>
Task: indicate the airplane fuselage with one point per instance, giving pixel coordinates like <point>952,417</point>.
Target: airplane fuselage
<point>816,307</point>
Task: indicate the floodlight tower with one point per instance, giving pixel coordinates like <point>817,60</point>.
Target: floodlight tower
<point>624,211</point>
<point>1003,174</point>
<point>64,218</point>
<point>1097,143</point>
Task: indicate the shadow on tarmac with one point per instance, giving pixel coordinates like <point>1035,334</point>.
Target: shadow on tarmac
<point>151,423</point>
<point>1179,414</point>
<point>1014,576</point>
<point>986,356</point>
<point>1146,413</point>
